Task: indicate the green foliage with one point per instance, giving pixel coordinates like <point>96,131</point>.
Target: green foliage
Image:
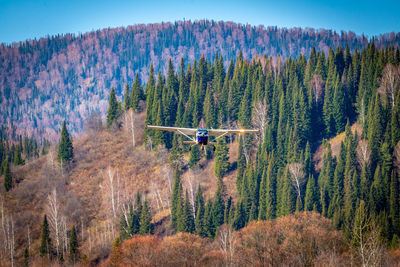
<point>65,148</point>
<point>145,220</point>
<point>73,246</point>
<point>113,111</point>
<point>221,159</point>
<point>194,156</point>
<point>45,247</point>
<point>7,176</point>
<point>17,156</point>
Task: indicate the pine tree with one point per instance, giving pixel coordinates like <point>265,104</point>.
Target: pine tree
<point>218,209</point>
<point>73,246</point>
<point>17,156</point>
<point>136,95</point>
<point>175,199</point>
<point>145,220</point>
<point>45,241</point>
<point>199,207</point>
<point>188,220</point>
<point>208,219</point>
<point>127,99</point>
<point>26,257</point>
<point>311,199</point>
<point>65,148</point>
<point>7,176</point>
<point>194,156</point>
<point>113,112</point>
<point>394,203</point>
<point>221,159</point>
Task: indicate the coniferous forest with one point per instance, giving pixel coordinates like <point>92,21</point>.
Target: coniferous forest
<point>305,102</point>
<point>318,185</point>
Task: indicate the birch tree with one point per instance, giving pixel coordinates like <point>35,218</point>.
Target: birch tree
<point>363,153</point>
<point>390,82</point>
<point>53,210</point>
<point>260,119</point>
<point>297,177</point>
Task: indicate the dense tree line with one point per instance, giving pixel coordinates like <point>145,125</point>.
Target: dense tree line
<point>306,101</point>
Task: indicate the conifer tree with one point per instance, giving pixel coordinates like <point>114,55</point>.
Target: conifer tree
<point>194,156</point>
<point>26,257</point>
<point>239,221</point>
<point>221,159</point>
<point>187,216</point>
<point>145,220</point>
<point>136,95</point>
<point>127,98</point>
<point>17,156</point>
<point>394,203</point>
<point>208,219</point>
<point>45,240</point>
<point>175,199</point>
<point>7,176</point>
<point>199,221</point>
<point>135,215</point>
<point>73,246</point>
<point>218,209</point>
<point>311,199</point>
<point>65,148</point>
<point>113,112</point>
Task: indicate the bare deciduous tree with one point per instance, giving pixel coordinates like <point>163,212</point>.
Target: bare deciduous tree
<point>297,177</point>
<point>53,210</point>
<point>390,82</point>
<point>110,187</point>
<point>369,248</point>
<point>130,125</point>
<point>260,119</point>
<point>226,241</point>
<point>317,84</point>
<point>363,153</point>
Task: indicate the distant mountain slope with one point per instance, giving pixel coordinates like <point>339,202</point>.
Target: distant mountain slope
<point>45,81</point>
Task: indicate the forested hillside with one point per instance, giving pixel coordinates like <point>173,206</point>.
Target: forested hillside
<point>43,82</point>
<point>329,142</point>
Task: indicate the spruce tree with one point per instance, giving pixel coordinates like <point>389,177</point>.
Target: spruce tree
<point>145,220</point>
<point>65,148</point>
<point>221,159</point>
<point>7,176</point>
<point>199,221</point>
<point>187,215</point>
<point>73,246</point>
<point>175,199</point>
<point>218,209</point>
<point>137,94</point>
<point>45,240</point>
<point>26,257</point>
<point>113,112</point>
<point>127,102</point>
<point>311,199</point>
<point>394,203</point>
<point>17,156</point>
<point>194,156</point>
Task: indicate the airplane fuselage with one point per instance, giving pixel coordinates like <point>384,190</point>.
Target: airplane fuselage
<point>202,137</point>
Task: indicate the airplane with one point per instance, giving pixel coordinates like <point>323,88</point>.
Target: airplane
<point>201,135</point>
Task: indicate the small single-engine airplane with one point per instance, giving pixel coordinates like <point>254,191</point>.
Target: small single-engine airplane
<point>201,135</point>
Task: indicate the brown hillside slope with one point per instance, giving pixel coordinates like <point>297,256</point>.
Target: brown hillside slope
<point>335,146</point>
<point>105,164</point>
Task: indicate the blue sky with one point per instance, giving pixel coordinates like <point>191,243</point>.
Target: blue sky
<point>28,19</point>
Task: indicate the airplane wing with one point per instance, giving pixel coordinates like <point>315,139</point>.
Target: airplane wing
<point>186,131</point>
<point>218,132</point>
